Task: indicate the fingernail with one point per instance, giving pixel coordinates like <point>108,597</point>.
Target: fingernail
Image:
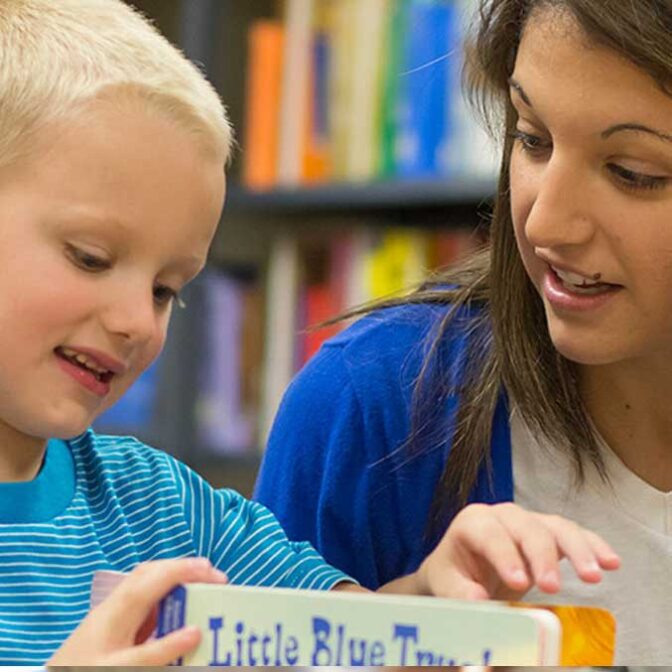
<point>200,563</point>
<point>191,631</point>
<point>519,576</point>
<point>551,577</point>
<point>221,576</point>
<point>592,567</point>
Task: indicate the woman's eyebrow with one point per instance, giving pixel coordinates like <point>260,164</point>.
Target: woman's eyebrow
<point>516,86</point>
<point>637,128</point>
<point>617,128</point>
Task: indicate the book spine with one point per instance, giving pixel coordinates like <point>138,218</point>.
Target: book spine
<point>421,106</point>
<point>263,102</point>
<point>295,90</point>
<point>171,617</point>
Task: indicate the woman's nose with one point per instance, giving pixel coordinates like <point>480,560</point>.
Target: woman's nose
<point>561,213</point>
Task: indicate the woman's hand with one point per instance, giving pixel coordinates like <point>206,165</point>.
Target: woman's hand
<point>112,633</point>
<point>501,551</point>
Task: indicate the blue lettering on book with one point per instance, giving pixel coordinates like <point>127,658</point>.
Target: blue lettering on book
<point>332,645</point>
<point>251,647</point>
<point>411,654</point>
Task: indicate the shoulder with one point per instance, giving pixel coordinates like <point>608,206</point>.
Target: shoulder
<point>130,468</point>
<point>380,357</point>
<point>126,463</point>
<point>356,394</point>
<point>117,457</point>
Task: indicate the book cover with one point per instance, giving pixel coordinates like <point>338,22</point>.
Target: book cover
<point>273,626</point>
<point>269,626</point>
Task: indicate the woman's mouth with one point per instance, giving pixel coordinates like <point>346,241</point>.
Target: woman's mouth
<point>581,284</point>
<point>578,293</point>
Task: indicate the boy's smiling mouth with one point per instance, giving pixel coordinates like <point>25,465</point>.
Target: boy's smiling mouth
<point>94,370</point>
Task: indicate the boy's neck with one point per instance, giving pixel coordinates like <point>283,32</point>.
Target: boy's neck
<point>630,406</point>
<point>21,456</point>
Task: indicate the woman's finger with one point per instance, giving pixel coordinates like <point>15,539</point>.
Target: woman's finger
<point>535,542</point>
<point>480,534</point>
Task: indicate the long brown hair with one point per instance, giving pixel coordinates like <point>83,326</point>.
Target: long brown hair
<point>511,350</point>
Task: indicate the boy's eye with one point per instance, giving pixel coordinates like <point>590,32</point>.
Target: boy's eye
<point>86,260</point>
<point>163,295</point>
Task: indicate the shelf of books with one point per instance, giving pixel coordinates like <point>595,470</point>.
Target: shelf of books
<point>364,92</point>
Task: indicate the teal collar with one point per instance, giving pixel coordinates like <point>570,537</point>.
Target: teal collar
<point>47,495</point>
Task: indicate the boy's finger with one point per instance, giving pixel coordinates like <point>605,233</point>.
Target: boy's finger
<point>158,651</point>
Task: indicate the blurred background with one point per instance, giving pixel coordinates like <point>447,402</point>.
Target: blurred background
<point>359,171</point>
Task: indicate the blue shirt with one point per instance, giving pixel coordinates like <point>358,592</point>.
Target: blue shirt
<point>335,471</point>
<point>111,503</point>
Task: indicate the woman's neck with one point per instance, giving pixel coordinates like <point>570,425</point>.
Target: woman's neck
<point>21,456</point>
<point>630,404</point>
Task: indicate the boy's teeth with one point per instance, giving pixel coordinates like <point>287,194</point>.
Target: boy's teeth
<point>83,360</point>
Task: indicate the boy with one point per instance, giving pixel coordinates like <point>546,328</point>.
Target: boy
<point>112,155</point>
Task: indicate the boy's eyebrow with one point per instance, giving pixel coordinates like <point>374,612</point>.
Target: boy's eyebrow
<point>638,128</point>
<point>516,86</point>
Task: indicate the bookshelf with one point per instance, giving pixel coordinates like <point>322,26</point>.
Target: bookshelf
<point>213,33</point>
<point>388,196</point>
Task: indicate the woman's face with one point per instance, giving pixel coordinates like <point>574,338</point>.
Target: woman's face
<point>591,194</point>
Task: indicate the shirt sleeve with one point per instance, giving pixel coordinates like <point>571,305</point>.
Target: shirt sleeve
<point>245,540</point>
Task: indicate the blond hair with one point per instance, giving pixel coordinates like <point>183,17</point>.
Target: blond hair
<point>57,55</point>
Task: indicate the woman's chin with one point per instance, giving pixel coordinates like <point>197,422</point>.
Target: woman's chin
<point>587,352</point>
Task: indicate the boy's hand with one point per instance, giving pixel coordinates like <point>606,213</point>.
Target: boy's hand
<point>501,551</point>
<point>108,635</point>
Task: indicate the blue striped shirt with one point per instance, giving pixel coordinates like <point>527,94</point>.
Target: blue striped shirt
<point>104,502</point>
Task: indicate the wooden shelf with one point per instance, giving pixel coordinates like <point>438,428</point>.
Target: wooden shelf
<point>371,196</point>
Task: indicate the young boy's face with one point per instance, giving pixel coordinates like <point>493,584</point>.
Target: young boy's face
<point>115,213</point>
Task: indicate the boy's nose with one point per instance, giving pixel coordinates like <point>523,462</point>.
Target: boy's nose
<point>133,316</point>
<point>562,213</point>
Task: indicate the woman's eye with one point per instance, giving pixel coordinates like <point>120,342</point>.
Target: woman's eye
<point>531,144</point>
<point>637,181</point>
<point>86,260</point>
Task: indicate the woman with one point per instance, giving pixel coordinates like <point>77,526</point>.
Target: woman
<point>539,372</point>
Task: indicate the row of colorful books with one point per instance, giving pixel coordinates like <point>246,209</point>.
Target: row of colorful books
<point>350,90</point>
<point>258,328</point>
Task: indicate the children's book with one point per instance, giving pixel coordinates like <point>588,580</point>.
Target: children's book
<point>246,626</point>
